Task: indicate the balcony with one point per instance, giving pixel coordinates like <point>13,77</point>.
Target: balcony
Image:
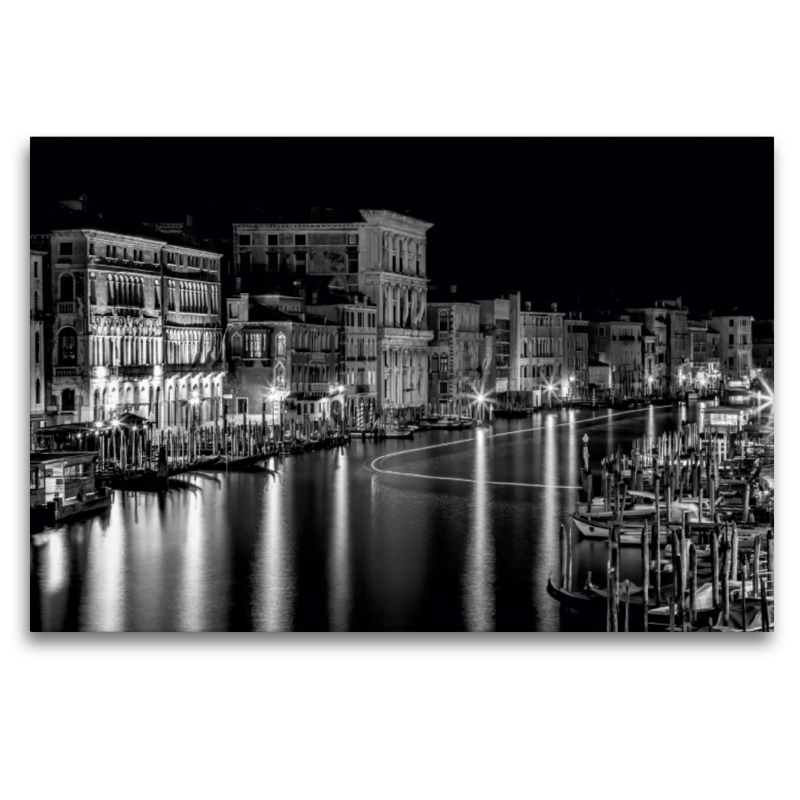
<point>65,308</point>
<point>62,372</point>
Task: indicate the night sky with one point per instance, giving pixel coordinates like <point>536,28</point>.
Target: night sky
<point>587,223</point>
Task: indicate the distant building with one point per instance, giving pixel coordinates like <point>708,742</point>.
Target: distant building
<point>358,354</point>
<point>576,356</point>
<point>735,345</point>
<point>617,341</point>
<point>382,256</point>
<point>136,328</point>
<point>703,361</point>
<point>537,350</point>
<point>666,321</point>
<point>764,350</point>
<point>282,368</point>
<point>494,346</point>
<point>600,380</point>
<point>39,386</point>
<point>453,353</point>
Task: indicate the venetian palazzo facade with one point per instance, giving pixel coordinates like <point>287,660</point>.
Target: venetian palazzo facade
<point>383,257</point>
<point>494,346</point>
<point>136,328</point>
<point>537,350</point>
<point>735,345</point>
<point>282,368</point>
<point>575,385</point>
<point>358,355</point>
<point>454,355</point>
<point>617,342</point>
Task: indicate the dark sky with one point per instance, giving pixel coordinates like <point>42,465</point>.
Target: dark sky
<point>577,221</point>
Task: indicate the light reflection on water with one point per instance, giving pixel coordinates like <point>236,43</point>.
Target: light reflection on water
<point>334,546</point>
<point>339,579</point>
<point>479,568</point>
<point>274,565</point>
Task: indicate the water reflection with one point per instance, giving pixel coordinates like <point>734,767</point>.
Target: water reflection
<point>339,579</point>
<point>103,601</point>
<point>478,595</point>
<point>193,596</point>
<point>273,578</point>
<point>547,557</point>
<point>53,578</point>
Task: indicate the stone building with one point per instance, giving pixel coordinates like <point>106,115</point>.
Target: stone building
<point>282,368</point>
<point>735,345</point>
<point>495,346</point>
<point>703,368</point>
<point>617,341</point>
<point>764,350</point>
<point>537,350</point>
<point>655,321</point>
<point>358,354</point>
<point>39,345</point>
<point>576,357</point>
<point>382,256</point>
<point>136,328</point>
<point>453,354</point>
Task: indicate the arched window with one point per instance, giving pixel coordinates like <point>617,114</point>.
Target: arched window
<point>67,288</point>
<point>280,375</point>
<point>443,363</point>
<point>236,345</point>
<point>435,363</point>
<point>36,343</point>
<point>38,394</point>
<point>36,301</point>
<point>67,347</point>
<point>68,400</point>
<point>443,320</point>
<point>281,344</point>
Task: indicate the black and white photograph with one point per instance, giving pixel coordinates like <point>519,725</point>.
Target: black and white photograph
<point>402,384</point>
<point>401,400</point>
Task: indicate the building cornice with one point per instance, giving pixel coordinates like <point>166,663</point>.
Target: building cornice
<point>381,215</point>
<point>110,236</point>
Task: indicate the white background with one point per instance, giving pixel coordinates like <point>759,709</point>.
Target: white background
<point>208,716</point>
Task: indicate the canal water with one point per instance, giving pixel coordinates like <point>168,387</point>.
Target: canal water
<point>449,531</point>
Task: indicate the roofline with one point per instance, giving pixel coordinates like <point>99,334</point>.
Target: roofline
<point>97,232</point>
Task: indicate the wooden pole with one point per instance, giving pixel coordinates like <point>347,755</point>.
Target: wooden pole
<point>569,559</point>
<point>756,558</point>
<point>715,566</point>
<point>726,575</point>
<point>645,576</point>
<point>672,615</point>
<point>764,607</point>
<point>693,582</point>
<point>734,553</point>
<point>744,599</point>
<point>746,507</point>
<point>771,553</point>
<point>627,604</point>
<point>677,570</point>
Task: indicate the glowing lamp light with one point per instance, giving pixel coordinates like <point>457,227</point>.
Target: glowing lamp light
<point>115,423</point>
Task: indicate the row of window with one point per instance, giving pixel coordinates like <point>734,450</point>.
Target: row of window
<point>299,240</point>
<point>360,319</point>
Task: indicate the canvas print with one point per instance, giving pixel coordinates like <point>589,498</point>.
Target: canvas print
<point>401,385</point>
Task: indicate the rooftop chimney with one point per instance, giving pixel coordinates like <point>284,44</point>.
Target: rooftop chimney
<point>554,307</point>
<point>527,305</point>
<point>453,288</point>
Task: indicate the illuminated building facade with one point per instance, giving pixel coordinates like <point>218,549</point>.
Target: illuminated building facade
<point>282,367</point>
<point>382,256</point>
<point>735,345</point>
<point>453,355</point>
<point>136,329</point>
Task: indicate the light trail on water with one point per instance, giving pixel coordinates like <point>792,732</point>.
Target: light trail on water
<point>375,465</point>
